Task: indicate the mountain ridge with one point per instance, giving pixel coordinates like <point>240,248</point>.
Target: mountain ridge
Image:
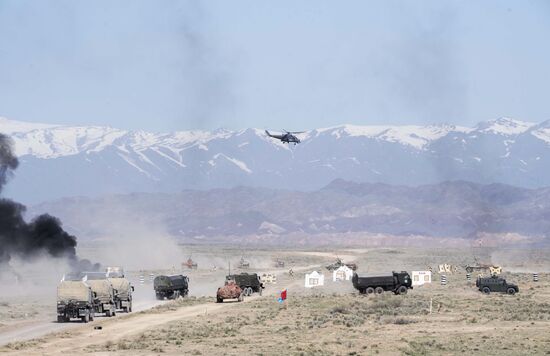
<point>59,160</point>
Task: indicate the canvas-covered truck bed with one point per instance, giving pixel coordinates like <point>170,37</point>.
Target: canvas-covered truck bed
<point>249,282</point>
<point>74,300</point>
<point>123,293</point>
<point>171,287</point>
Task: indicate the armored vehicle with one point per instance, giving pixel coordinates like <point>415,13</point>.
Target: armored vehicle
<point>230,290</point>
<point>171,287</point>
<point>123,288</point>
<point>103,291</point>
<point>74,300</point>
<point>397,282</point>
<point>339,263</point>
<point>496,284</point>
<point>249,282</point>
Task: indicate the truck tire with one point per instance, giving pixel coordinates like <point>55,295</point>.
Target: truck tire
<point>60,319</point>
<point>379,290</point>
<point>219,300</point>
<point>261,289</point>
<point>511,291</point>
<point>92,315</point>
<point>402,290</point>
<point>370,290</point>
<point>86,318</point>
<point>108,313</point>
<point>486,290</point>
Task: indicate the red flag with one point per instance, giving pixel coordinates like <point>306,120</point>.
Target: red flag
<point>283,294</point>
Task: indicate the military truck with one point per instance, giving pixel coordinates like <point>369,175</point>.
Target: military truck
<point>496,284</point>
<point>74,301</point>
<point>249,282</point>
<point>397,282</point>
<point>103,291</point>
<point>230,290</point>
<point>171,287</point>
<point>123,288</point>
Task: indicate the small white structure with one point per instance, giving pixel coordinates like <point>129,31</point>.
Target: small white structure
<point>421,277</point>
<point>342,273</point>
<point>314,279</point>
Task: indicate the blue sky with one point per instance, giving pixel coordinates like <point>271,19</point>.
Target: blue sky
<point>173,65</point>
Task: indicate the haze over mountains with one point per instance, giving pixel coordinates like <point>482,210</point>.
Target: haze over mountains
<point>61,161</point>
<point>451,209</point>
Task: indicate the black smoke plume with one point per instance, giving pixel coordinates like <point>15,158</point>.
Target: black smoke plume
<point>43,235</point>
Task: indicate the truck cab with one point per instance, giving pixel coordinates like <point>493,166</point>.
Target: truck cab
<point>496,284</point>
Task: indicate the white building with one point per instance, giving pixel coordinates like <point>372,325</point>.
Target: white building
<point>314,279</point>
<point>421,277</point>
<point>343,273</point>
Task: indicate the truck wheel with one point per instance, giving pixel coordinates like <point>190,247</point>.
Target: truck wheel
<point>60,319</point>
<point>379,290</point>
<point>86,318</point>
<point>92,316</point>
<point>219,300</point>
<point>486,290</point>
<point>370,290</point>
<point>250,291</point>
<point>402,290</point>
<point>261,289</point>
<point>511,291</point>
<point>108,313</point>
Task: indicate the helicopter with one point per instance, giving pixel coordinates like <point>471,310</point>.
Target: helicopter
<point>287,137</point>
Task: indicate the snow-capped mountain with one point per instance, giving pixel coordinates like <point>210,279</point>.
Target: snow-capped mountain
<point>58,160</point>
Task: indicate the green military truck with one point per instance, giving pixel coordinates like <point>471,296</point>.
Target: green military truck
<point>74,301</point>
<point>171,287</point>
<point>496,284</point>
<point>123,288</point>
<point>249,282</point>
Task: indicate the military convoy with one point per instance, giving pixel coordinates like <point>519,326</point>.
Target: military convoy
<point>171,287</point>
<point>248,282</point>
<point>397,282</point>
<point>75,300</point>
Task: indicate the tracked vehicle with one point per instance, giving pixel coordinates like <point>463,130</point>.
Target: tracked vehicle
<point>171,287</point>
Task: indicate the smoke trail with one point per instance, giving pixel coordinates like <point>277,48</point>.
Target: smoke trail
<point>44,234</point>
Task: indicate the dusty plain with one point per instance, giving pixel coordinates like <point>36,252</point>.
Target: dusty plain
<point>329,320</point>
